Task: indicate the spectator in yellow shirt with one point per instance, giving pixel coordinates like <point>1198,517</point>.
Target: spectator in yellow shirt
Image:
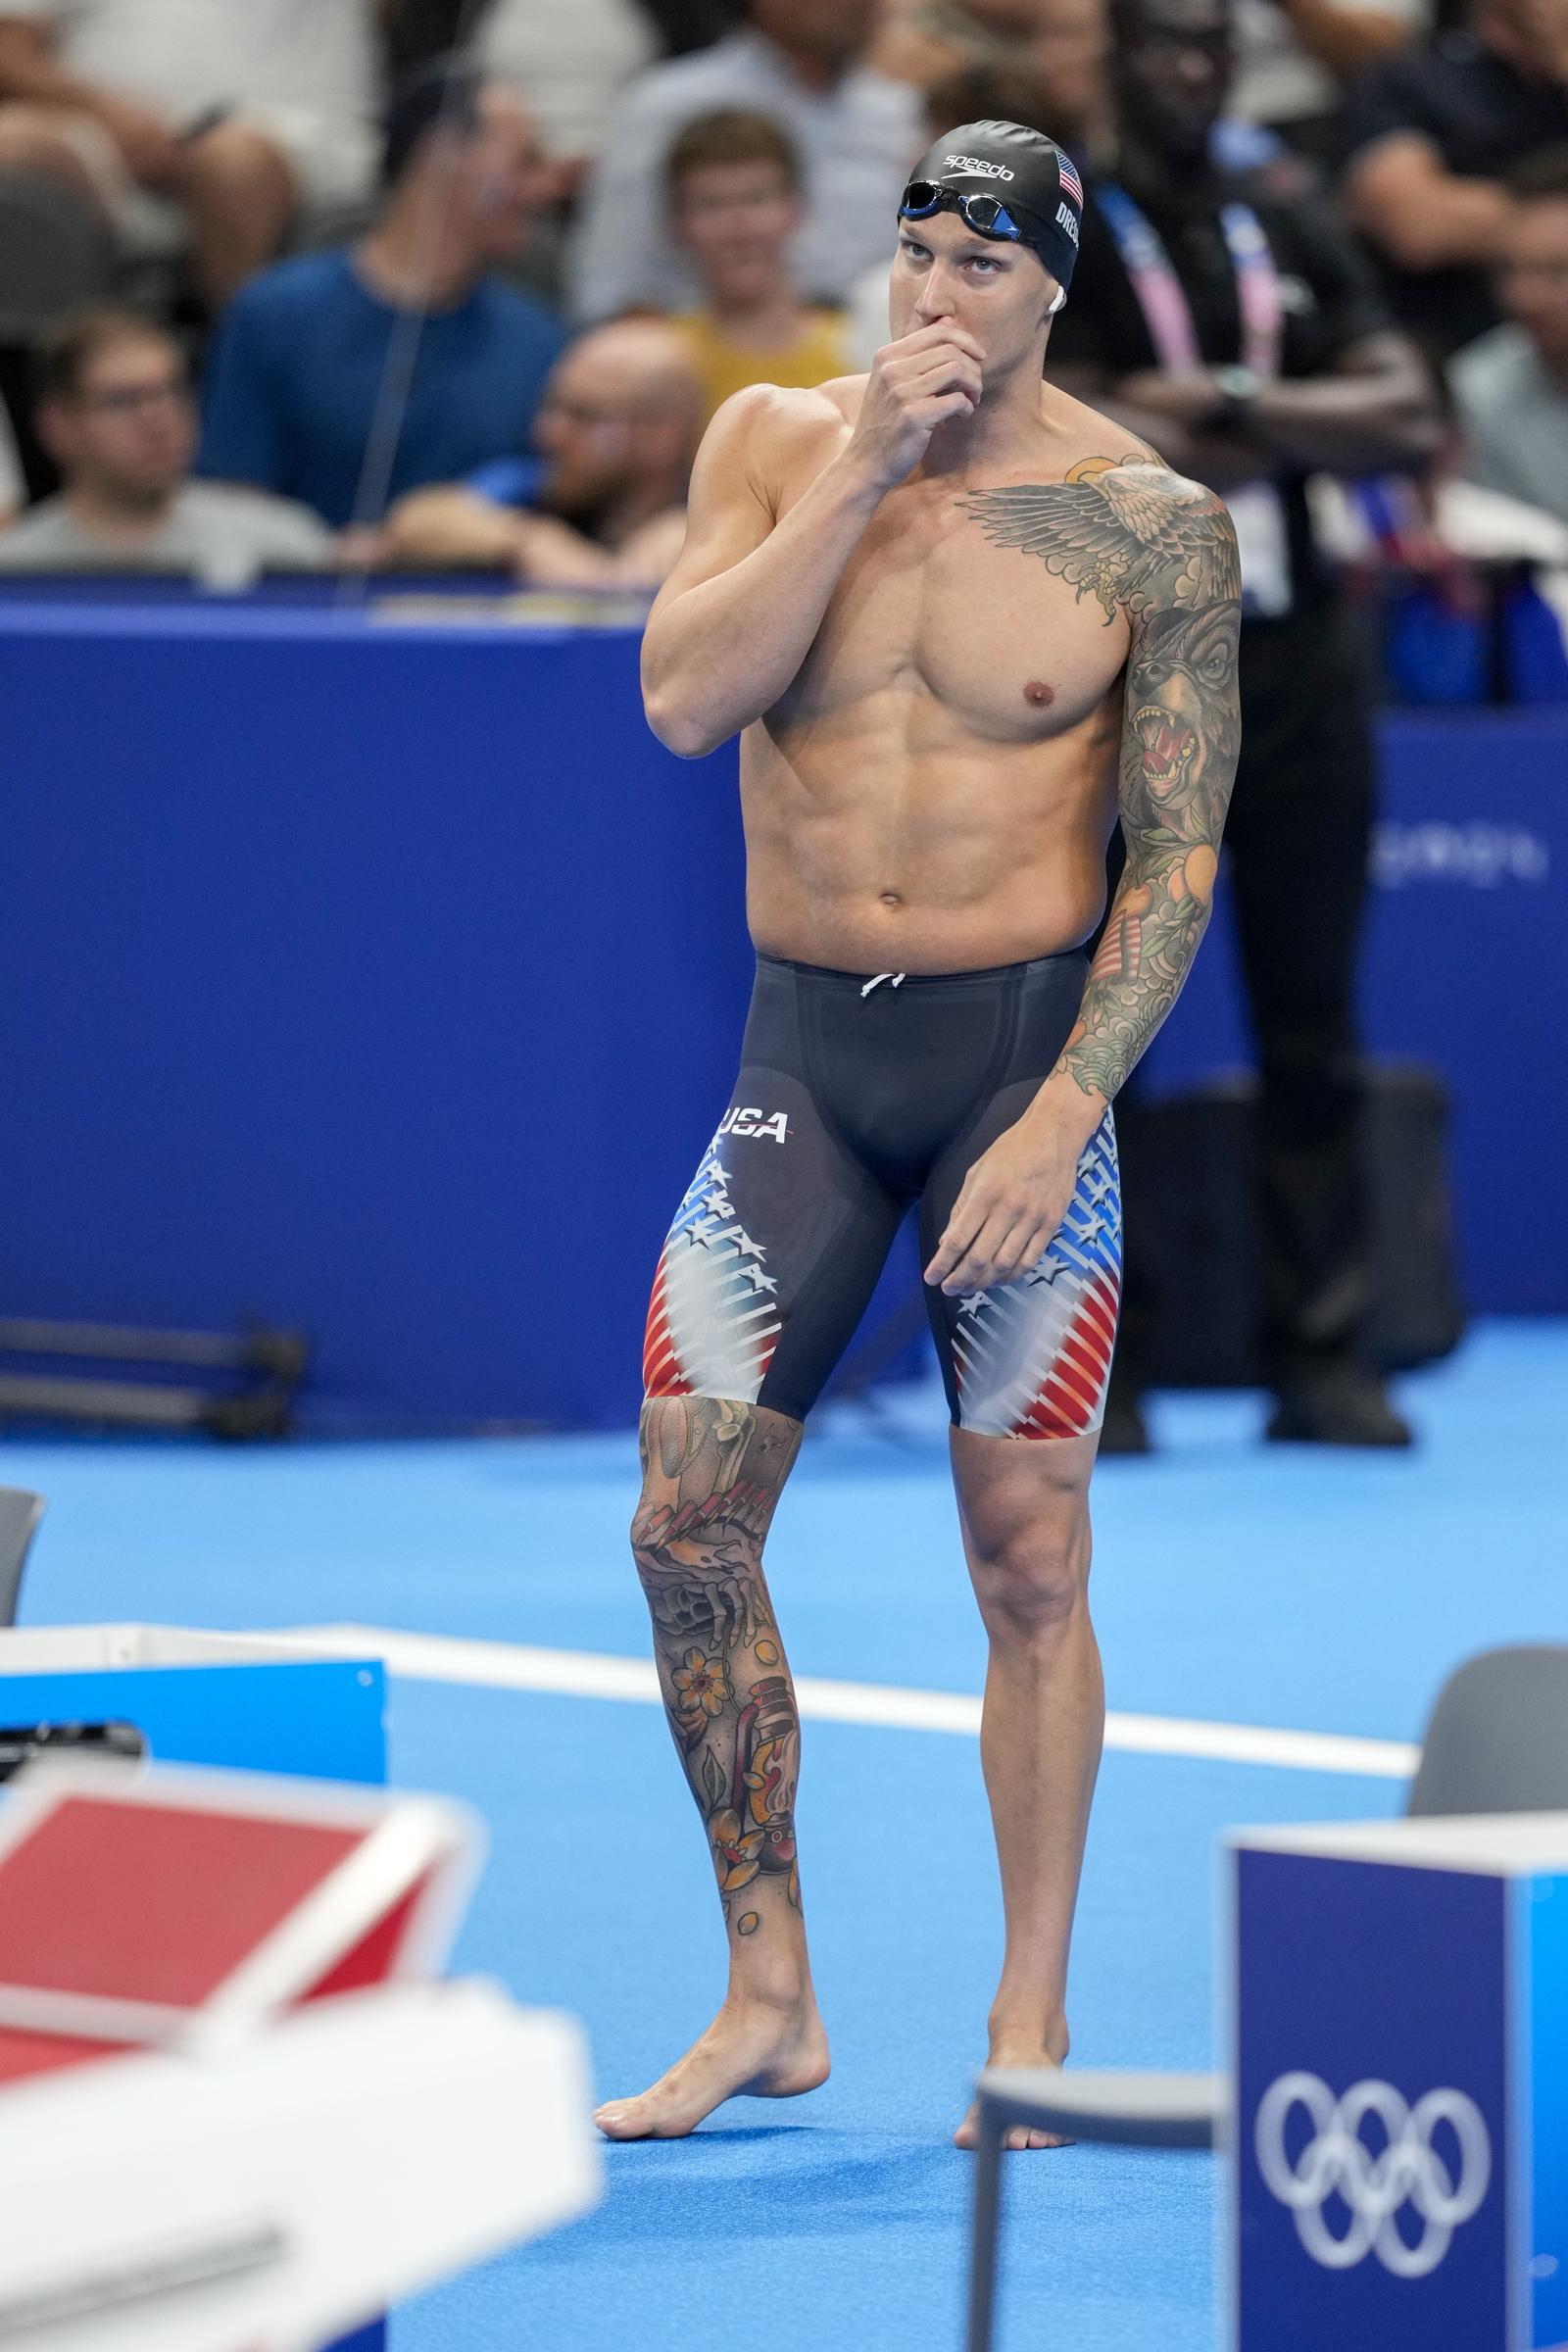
<point>733,183</point>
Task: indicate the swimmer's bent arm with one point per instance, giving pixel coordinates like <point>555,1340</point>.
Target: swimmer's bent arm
<point>736,618</point>
<point>1168,559</point>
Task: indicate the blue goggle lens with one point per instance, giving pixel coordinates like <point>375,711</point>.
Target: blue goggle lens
<point>987,216</point>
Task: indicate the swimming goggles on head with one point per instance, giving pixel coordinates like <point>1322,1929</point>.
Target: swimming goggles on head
<point>987,216</point>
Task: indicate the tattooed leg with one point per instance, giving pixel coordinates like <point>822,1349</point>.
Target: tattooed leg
<point>711,1476</point>
<point>712,1471</point>
<point>1024,1510</point>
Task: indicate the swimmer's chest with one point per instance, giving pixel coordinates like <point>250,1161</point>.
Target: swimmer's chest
<point>928,605</point>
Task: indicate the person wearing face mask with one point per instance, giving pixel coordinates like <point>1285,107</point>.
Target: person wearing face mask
<point>1232,324</point>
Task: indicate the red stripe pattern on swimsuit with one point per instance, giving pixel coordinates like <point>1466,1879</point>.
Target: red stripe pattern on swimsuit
<point>1031,1358</point>
<point>714,1319</point>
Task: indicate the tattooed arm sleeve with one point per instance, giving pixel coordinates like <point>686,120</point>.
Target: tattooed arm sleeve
<point>1181,733</point>
<point>1160,551</point>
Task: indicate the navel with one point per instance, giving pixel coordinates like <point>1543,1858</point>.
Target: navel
<point>891,897</point>
<point>1039,693</point>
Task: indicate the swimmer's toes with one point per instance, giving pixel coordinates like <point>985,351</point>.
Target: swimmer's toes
<point>1019,2136</point>
<point>754,2058</point>
<point>639,2119</point>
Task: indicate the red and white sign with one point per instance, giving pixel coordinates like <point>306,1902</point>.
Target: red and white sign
<point>155,1908</point>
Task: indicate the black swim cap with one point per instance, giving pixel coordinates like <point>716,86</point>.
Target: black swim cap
<point>1023,171</point>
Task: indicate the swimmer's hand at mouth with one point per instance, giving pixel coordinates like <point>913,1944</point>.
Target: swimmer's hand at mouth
<point>914,385</point>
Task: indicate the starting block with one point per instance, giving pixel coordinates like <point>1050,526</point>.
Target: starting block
<point>172,1694</point>
<point>179,1696</point>
<point>180,1909</point>
<point>235,2113</point>
<point>1400,2060</point>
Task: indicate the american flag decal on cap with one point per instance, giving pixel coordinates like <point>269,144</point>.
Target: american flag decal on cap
<point>1071,185</point>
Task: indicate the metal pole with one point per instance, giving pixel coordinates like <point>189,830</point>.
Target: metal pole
<point>982,2246</point>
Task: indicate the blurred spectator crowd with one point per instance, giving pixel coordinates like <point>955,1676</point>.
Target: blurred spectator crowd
<point>293,284</point>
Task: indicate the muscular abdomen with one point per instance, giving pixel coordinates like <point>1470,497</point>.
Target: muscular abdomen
<point>935,790</point>
<point>888,836</point>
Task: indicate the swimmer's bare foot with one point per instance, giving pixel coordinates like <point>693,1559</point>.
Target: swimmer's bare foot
<point>1009,2048</point>
<point>763,2048</point>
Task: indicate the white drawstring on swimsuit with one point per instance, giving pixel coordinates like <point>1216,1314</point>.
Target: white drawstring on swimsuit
<point>894,977</point>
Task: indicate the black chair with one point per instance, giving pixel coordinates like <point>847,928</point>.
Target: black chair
<point>1123,2109</point>
<point>1496,1742</point>
<point>20,1514</point>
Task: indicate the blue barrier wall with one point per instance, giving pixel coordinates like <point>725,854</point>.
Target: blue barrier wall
<point>387,979</point>
<point>378,979</point>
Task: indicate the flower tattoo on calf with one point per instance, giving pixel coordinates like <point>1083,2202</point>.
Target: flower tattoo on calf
<point>1161,552</point>
<point>712,1471</point>
<point>702,1688</point>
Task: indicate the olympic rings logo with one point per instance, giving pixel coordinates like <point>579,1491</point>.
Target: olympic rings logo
<point>1406,2169</point>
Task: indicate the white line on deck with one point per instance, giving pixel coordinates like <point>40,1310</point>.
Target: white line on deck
<point>589,1674</point>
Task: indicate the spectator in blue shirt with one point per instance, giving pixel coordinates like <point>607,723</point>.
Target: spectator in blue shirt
<point>603,503</point>
<point>347,378</point>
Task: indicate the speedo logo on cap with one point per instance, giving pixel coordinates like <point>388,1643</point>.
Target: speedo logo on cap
<point>973,162</point>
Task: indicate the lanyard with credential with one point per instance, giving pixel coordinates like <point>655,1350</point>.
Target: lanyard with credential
<point>1162,298</point>
<point>1259,516</point>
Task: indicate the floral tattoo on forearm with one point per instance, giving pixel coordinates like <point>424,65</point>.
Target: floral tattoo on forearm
<point>713,1470</point>
<point>1161,552</point>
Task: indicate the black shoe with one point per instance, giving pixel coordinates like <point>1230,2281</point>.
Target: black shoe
<point>1343,1404</point>
<point>1124,1429</point>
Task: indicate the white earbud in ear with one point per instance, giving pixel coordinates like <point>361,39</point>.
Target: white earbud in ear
<point>1060,298</point>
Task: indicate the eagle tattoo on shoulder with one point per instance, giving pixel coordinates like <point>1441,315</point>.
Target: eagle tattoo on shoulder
<point>1160,550</point>
<point>1128,532</point>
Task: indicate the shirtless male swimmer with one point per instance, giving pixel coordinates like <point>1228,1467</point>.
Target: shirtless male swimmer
<point>962,622</point>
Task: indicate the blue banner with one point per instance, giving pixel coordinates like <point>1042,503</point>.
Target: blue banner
<point>1373,2108</point>
<point>387,981</point>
